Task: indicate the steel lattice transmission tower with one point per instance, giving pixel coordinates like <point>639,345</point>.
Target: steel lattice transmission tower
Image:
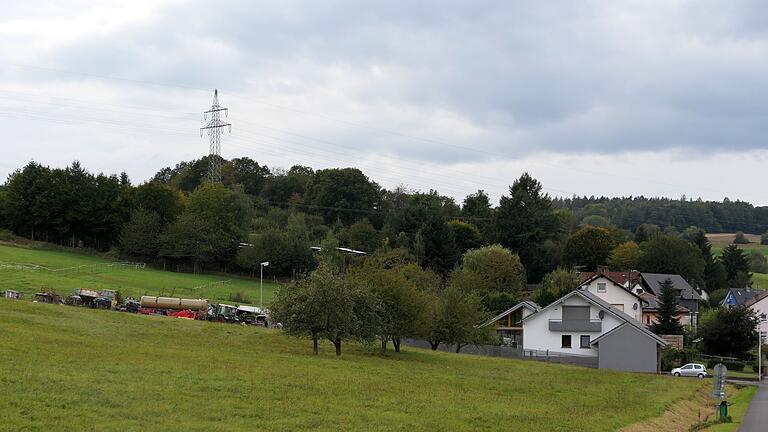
<point>214,126</point>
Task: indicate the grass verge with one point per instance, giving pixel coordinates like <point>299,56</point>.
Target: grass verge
<point>740,397</point>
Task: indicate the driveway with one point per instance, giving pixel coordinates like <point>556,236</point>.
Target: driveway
<point>756,417</point>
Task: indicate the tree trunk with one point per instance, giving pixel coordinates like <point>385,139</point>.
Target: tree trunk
<point>396,344</point>
<point>314,344</point>
<point>383,344</point>
<point>458,347</point>
<point>434,345</point>
<point>337,344</point>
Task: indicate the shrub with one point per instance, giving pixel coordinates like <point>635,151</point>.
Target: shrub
<point>6,235</point>
<point>764,238</point>
<point>740,238</point>
<point>731,365</point>
<point>238,297</point>
<point>672,358</point>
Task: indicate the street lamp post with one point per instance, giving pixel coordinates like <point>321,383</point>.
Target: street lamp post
<point>261,285</point>
<point>760,349</point>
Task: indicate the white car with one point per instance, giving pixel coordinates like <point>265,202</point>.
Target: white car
<point>690,369</point>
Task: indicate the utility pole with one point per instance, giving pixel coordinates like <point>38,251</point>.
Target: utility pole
<point>213,126</point>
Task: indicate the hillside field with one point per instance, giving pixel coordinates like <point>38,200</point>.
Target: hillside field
<point>96,274</point>
<point>68,368</point>
<point>721,240</point>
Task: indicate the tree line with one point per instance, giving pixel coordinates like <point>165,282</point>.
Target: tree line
<point>259,214</point>
<point>630,212</point>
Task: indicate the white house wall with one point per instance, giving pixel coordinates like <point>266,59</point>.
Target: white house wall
<point>760,308</point>
<point>615,294</point>
<point>539,337</point>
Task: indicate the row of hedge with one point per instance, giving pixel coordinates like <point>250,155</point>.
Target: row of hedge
<point>672,358</point>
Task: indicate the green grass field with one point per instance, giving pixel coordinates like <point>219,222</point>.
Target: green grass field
<point>68,368</point>
<point>130,282</point>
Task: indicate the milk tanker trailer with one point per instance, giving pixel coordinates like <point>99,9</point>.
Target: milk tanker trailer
<point>173,306</point>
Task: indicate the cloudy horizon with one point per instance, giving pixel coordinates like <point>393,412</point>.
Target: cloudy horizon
<point>596,98</point>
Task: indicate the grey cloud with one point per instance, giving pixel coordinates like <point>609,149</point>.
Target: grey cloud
<point>580,77</point>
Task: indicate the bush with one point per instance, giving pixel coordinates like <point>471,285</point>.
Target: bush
<point>764,238</point>
<point>672,358</point>
<point>238,297</point>
<point>740,238</point>
<point>731,365</point>
<point>6,235</point>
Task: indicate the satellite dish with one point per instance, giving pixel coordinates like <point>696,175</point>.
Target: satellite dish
<point>601,314</point>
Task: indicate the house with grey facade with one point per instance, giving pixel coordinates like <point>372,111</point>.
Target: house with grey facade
<point>581,324</point>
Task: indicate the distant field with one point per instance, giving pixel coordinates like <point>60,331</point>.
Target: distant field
<point>760,281</point>
<point>724,239</point>
<point>129,282</point>
<point>73,369</point>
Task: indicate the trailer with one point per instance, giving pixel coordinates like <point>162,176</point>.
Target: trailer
<point>164,305</point>
<point>48,297</point>
<point>252,315</point>
<point>11,294</point>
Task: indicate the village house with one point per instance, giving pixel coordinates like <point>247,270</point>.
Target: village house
<point>759,304</point>
<point>651,310</point>
<point>583,324</point>
<point>688,296</point>
<point>509,324</point>
<point>614,292</point>
<point>739,296</point>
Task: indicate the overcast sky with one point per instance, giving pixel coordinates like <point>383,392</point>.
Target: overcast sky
<point>659,98</point>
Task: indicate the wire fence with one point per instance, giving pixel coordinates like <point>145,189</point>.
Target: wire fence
<point>85,268</point>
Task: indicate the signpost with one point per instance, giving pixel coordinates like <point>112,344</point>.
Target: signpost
<point>718,388</point>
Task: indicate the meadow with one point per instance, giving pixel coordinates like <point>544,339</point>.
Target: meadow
<point>93,272</point>
<point>721,241</point>
<point>74,369</point>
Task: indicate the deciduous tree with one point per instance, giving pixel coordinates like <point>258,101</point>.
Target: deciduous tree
<point>625,256</point>
<point>731,332</point>
<point>588,248</point>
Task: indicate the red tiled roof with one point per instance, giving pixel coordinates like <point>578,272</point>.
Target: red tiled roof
<point>618,277</point>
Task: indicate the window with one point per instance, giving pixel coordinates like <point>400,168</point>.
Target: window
<point>648,319</point>
<point>687,367</point>
<point>601,287</point>
<point>584,341</point>
<point>566,341</point>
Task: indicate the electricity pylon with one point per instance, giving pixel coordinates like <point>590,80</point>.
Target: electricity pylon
<point>213,126</point>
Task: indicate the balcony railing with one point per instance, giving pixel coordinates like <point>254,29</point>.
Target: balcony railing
<point>576,325</point>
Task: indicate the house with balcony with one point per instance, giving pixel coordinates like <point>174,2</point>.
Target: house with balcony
<point>509,324</point>
<point>582,324</point>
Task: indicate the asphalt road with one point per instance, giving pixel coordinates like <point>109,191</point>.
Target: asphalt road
<point>756,417</point>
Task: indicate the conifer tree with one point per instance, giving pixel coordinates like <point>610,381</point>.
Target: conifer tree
<point>668,323</point>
